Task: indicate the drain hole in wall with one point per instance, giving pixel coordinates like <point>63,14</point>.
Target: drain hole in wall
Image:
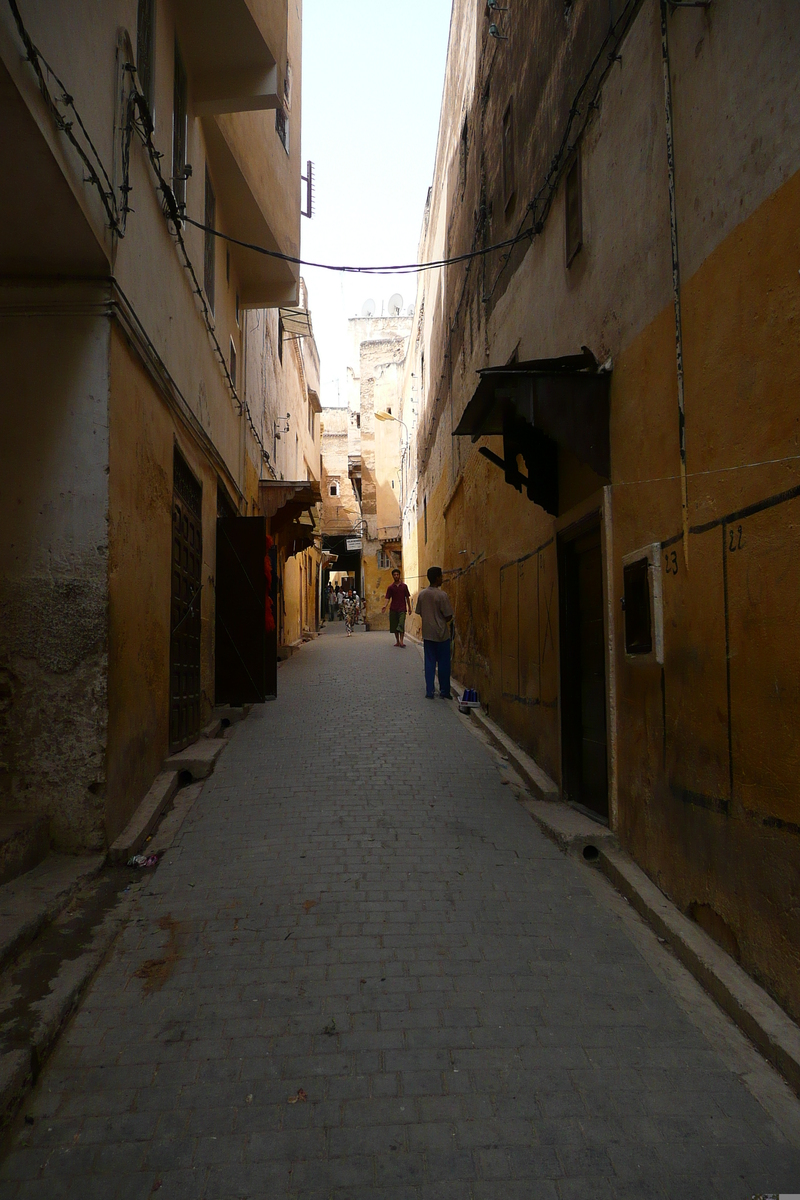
<point>591,853</point>
<point>185,778</point>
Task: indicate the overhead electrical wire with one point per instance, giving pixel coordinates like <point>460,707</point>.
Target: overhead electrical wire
<point>398,269</point>
<point>137,120</point>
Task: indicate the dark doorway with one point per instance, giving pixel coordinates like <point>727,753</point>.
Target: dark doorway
<point>184,642</point>
<point>246,650</point>
<point>583,672</point>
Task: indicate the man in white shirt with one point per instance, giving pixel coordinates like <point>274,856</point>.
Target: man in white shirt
<point>434,606</point>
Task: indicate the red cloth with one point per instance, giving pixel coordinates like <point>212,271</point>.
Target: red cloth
<point>269,615</point>
<point>398,593</point>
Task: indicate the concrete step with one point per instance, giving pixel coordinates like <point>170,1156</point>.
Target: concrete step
<point>24,842</point>
<point>540,784</point>
<point>196,760</point>
<point>229,714</point>
<point>34,899</point>
<point>146,817</point>
<point>43,985</point>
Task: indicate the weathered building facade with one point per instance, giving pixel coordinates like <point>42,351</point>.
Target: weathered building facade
<point>361,460</point>
<point>127,329</point>
<point>618,526</point>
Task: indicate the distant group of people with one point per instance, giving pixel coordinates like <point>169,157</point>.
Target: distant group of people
<point>433,606</point>
<point>344,606</point>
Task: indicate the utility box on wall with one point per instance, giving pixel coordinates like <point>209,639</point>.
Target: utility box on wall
<point>643,606</point>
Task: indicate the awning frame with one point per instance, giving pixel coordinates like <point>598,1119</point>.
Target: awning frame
<point>537,407</point>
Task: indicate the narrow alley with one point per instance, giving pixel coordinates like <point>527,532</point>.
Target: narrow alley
<point>363,972</point>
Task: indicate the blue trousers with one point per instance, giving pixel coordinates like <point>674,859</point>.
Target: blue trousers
<point>437,654</point>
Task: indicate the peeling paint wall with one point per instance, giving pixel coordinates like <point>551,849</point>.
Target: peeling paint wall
<point>702,755</point>
<point>53,558</point>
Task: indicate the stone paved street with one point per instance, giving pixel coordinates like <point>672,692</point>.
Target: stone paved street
<point>357,911</point>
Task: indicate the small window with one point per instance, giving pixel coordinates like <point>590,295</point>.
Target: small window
<point>384,562</point>
<point>638,629</point>
<point>280,340</point>
<point>642,605</point>
<point>334,489</point>
<point>509,165</point>
<point>282,126</point>
<point>209,249</point>
<point>463,154</point>
<point>233,363</point>
<point>146,51</point>
<point>180,128</point>
<point>573,209</point>
<point>358,420</point>
<point>425,518</point>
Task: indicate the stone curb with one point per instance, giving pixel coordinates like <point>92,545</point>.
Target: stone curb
<point>758,1016</point>
<point>33,900</point>
<point>19,1069</point>
<point>770,1029</point>
<point>537,780</point>
<point>133,836</point>
<point>198,759</point>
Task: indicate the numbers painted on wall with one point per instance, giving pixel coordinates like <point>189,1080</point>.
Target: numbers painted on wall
<point>735,538</point>
<point>671,562</point>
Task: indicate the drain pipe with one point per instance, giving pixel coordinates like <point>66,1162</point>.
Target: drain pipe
<point>676,268</point>
<point>676,279</point>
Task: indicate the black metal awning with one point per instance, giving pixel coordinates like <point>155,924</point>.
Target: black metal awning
<point>537,407</point>
<point>564,398</point>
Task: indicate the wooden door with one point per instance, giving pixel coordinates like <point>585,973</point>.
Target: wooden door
<point>583,673</point>
<point>185,713</point>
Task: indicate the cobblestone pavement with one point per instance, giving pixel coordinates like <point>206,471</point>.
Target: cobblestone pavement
<point>364,974</point>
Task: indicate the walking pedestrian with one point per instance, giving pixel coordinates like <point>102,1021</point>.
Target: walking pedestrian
<point>339,602</point>
<point>331,602</point>
<point>434,606</point>
<point>350,610</point>
<point>398,598</point>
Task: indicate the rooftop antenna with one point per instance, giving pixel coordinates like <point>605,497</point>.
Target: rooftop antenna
<point>395,305</point>
<point>368,308</point>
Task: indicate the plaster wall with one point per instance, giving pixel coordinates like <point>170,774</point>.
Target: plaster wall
<point>341,512</point>
<point>143,435</point>
<point>702,754</point>
<point>85,640</point>
<point>53,557</point>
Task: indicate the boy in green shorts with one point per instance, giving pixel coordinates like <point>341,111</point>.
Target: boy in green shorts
<point>398,598</point>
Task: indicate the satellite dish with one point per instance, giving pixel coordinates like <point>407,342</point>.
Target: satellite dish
<point>368,308</point>
<point>395,305</point>
<point>410,310</point>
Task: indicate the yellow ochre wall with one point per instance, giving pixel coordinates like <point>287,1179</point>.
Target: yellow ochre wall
<point>142,435</point>
<point>704,771</point>
<point>708,768</point>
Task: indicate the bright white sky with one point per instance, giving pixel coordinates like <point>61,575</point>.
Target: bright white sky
<point>373,72</point>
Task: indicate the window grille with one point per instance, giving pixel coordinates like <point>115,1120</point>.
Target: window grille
<point>573,203</point>
<point>146,50</point>
<point>463,156</point>
<point>180,128</point>
<point>509,165</point>
<point>185,485</point>
<point>209,248</point>
<point>282,126</point>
